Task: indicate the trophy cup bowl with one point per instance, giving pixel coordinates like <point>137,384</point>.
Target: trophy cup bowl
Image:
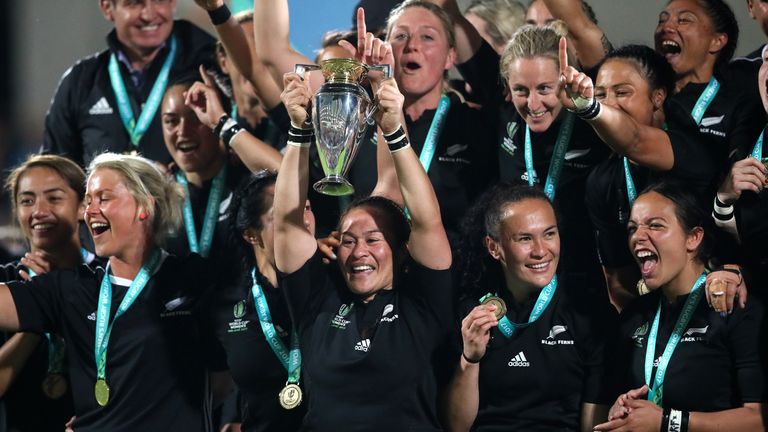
<point>342,111</point>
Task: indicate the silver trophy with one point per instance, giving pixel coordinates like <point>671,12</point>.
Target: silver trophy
<point>341,114</point>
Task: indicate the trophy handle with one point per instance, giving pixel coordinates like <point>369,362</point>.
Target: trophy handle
<point>302,69</point>
<point>384,68</point>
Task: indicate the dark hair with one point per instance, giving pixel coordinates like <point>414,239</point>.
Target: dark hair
<point>397,221</point>
<point>69,171</point>
<point>689,212</point>
<point>249,203</point>
<point>478,271</point>
<point>652,65</point>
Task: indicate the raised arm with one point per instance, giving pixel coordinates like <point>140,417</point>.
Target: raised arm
<point>294,244</point>
<point>255,153</point>
<point>271,31</point>
<point>9,320</point>
<point>646,145</point>
<point>428,243</point>
<point>468,40</point>
<point>240,51</point>
<point>588,39</point>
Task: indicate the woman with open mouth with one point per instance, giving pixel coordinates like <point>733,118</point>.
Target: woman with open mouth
<point>532,343</point>
<point>369,326</point>
<point>683,366</point>
<point>47,198</point>
<point>137,333</point>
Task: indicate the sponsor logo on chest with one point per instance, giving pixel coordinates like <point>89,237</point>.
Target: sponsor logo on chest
<point>173,308</point>
<point>386,316</point>
<point>694,334</point>
<point>363,345</point>
<point>519,361</point>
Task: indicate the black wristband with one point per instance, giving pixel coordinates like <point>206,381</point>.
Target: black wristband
<point>684,424</point>
<point>222,120</point>
<point>397,140</point>
<point>230,133</point>
<point>220,15</point>
<point>469,360</point>
<point>665,421</point>
<point>591,112</point>
<point>299,135</point>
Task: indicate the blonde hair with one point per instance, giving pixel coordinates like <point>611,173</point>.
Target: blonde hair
<point>530,42</point>
<point>439,12</point>
<point>502,17</point>
<point>161,198</point>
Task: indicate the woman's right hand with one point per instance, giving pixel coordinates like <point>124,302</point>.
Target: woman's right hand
<point>476,331</point>
<point>296,97</point>
<point>746,174</point>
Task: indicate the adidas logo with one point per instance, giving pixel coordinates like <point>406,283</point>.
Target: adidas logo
<point>519,361</point>
<point>363,345</point>
<point>101,107</point>
<point>92,316</point>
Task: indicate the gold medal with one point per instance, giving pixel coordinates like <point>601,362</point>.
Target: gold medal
<point>501,307</point>
<point>290,396</point>
<point>54,385</point>
<point>642,288</point>
<point>101,390</point>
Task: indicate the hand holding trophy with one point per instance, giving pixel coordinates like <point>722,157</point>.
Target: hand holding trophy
<point>342,111</point>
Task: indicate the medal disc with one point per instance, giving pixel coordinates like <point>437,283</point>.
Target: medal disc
<point>101,390</point>
<point>501,307</point>
<point>642,288</point>
<point>290,396</point>
<point>54,385</point>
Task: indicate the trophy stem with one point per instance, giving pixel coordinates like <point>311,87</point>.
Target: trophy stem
<point>335,186</point>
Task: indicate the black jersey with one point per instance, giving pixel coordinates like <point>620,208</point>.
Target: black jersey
<point>255,368</point>
<point>607,202</point>
<point>158,352</point>
<point>717,363</point>
<point>24,399</point>
<point>463,165</point>
<point>368,366</point>
<point>83,120</point>
<point>538,379</point>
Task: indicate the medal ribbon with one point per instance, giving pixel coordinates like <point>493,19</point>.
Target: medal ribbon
<point>558,156</point>
<point>508,328</point>
<point>631,191</point>
<point>757,151</point>
<point>203,247</point>
<point>435,128</point>
<point>655,393</point>
<point>103,326</point>
<point>291,360</point>
<point>705,99</point>
<point>137,128</point>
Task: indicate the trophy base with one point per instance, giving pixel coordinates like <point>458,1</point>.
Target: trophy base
<point>334,186</point>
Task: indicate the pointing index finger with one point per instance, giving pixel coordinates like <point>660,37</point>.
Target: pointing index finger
<point>563,55</point>
<point>361,31</point>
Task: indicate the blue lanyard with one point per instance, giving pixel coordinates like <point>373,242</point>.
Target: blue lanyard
<point>757,151</point>
<point>137,128</point>
<point>508,328</point>
<point>706,98</point>
<point>655,392</point>
<point>103,325</point>
<point>430,143</point>
<point>558,156</point>
<point>631,191</point>
<point>203,247</point>
<point>291,360</point>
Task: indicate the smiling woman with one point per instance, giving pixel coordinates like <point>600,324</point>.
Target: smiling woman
<point>690,367</point>
<point>532,340</point>
<point>141,316</point>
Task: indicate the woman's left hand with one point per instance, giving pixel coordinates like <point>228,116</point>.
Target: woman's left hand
<point>577,89</point>
<point>390,110</point>
<point>644,415</point>
<point>204,100</point>
<point>722,289</point>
